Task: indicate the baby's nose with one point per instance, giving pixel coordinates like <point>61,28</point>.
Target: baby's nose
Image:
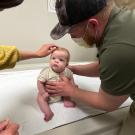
<point>56,60</point>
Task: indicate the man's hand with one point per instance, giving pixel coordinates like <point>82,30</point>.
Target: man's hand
<point>8,128</point>
<point>60,88</point>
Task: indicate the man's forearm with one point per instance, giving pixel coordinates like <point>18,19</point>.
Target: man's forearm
<point>91,69</point>
<point>99,100</point>
<point>87,97</point>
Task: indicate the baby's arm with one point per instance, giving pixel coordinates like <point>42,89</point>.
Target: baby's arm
<point>41,87</point>
<point>42,100</point>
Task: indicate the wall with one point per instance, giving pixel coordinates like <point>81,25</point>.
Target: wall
<point>28,26</point>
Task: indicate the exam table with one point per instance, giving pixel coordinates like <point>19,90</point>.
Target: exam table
<point>91,122</point>
<point>103,124</point>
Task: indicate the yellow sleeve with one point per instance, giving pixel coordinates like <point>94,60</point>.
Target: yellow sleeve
<point>9,55</point>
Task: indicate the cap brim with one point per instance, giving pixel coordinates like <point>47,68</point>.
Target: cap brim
<point>59,31</point>
<point>9,4</point>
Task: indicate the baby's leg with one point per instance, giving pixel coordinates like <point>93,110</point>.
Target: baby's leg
<point>44,106</point>
<point>68,102</point>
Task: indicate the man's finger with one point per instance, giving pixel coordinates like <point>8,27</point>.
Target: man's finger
<point>50,91</point>
<point>63,78</point>
<point>51,83</point>
<point>53,91</point>
<point>50,87</point>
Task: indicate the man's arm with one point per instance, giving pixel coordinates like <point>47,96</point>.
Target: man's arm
<point>91,69</point>
<point>100,100</point>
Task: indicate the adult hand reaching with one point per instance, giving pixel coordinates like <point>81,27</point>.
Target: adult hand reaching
<point>8,128</point>
<point>45,50</point>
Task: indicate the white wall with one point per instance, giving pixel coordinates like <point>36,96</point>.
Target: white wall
<point>28,26</point>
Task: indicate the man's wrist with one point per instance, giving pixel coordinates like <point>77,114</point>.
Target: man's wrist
<point>74,93</point>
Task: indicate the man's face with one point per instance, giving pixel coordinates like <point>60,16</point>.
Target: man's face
<point>77,30</point>
<point>83,30</point>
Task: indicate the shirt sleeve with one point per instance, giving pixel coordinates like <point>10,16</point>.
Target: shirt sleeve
<point>43,75</point>
<point>117,70</point>
<point>9,55</point>
<point>68,73</point>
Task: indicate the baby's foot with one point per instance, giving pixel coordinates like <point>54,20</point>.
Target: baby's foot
<point>48,116</point>
<point>69,103</point>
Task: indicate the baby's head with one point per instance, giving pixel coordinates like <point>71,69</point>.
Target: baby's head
<point>59,59</point>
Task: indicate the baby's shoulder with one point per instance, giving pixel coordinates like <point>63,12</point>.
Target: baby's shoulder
<point>45,69</point>
<point>68,72</point>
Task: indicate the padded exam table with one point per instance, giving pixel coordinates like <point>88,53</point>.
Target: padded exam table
<point>18,91</point>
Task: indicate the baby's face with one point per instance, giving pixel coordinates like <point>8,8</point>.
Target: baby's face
<point>58,61</point>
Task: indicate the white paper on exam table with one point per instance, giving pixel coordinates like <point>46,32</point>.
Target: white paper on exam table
<point>18,93</point>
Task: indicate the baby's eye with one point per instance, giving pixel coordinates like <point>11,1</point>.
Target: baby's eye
<point>61,60</point>
<point>53,58</point>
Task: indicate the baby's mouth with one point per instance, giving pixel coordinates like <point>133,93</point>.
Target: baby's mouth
<point>55,65</point>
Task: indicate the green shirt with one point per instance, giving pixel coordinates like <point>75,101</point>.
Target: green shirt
<point>117,54</point>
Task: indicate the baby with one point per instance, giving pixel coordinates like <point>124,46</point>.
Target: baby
<point>58,63</point>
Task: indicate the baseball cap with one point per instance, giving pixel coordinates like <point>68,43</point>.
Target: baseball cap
<point>71,12</point>
<point>9,3</point>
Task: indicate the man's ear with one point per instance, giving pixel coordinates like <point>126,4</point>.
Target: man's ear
<point>94,22</point>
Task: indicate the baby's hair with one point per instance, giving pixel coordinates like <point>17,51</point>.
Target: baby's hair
<point>64,50</point>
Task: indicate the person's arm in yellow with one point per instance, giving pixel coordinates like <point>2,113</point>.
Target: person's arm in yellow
<point>9,55</point>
